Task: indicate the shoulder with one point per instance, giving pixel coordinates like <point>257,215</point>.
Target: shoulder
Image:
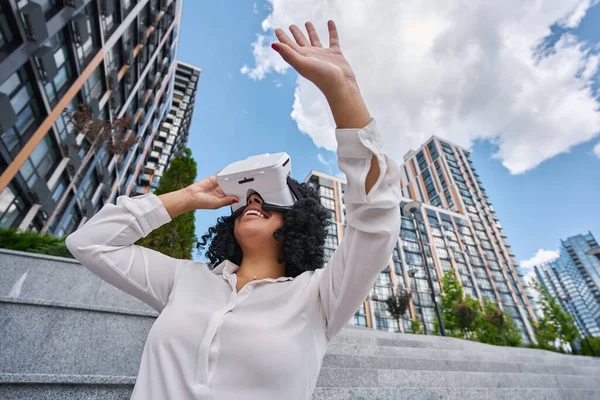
<point>191,268</point>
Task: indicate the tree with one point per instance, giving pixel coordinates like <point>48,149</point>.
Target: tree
<point>556,329</point>
<point>497,327</point>
<point>459,313</point>
<point>594,342</point>
<point>397,304</point>
<point>415,326</point>
<point>97,133</point>
<point>177,238</point>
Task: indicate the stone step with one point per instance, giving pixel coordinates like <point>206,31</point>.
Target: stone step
<point>72,387</point>
<point>445,393</point>
<point>54,338</point>
<point>58,279</point>
<point>92,387</point>
<point>389,378</point>
<point>361,335</point>
<point>460,355</point>
<point>441,365</point>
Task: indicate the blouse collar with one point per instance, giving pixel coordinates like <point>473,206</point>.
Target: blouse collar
<point>226,268</point>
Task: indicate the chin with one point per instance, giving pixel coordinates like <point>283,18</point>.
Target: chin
<point>253,229</point>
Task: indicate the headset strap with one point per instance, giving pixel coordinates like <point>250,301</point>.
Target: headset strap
<point>294,187</point>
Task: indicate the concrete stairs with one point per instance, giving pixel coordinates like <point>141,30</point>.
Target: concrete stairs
<point>65,334</point>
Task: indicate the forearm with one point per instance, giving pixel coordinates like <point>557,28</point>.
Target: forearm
<point>350,112</point>
<point>177,202</point>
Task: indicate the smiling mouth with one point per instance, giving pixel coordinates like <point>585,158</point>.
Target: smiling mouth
<point>255,213</point>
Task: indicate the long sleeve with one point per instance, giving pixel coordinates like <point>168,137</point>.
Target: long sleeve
<point>373,225</point>
<point>104,245</point>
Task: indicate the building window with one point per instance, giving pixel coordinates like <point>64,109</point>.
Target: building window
<point>41,163</point>
<point>25,105</point>
<point>328,254</point>
<point>87,50</point>
<point>59,84</point>
<point>328,203</point>
<point>109,21</point>
<point>12,206</point>
<point>60,187</point>
<point>384,278</point>
<point>94,87</point>
<point>326,191</point>
<point>360,320</point>
<point>8,41</point>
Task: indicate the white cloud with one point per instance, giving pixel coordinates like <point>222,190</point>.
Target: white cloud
<point>322,160</point>
<point>329,164</point>
<point>270,60</point>
<point>277,83</point>
<point>597,150</point>
<point>255,8</point>
<point>542,256</point>
<point>526,267</point>
<point>463,71</point>
<point>573,19</point>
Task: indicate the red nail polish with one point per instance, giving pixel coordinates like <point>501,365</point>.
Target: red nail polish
<point>275,47</point>
<point>234,201</point>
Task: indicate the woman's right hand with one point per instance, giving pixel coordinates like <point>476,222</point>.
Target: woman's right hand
<point>206,194</point>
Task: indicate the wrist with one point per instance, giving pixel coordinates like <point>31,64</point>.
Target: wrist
<point>347,106</point>
<point>177,202</point>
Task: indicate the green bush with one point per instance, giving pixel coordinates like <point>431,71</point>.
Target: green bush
<point>594,342</point>
<point>463,317</point>
<point>33,242</point>
<point>415,326</point>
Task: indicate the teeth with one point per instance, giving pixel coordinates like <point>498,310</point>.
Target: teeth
<point>255,212</point>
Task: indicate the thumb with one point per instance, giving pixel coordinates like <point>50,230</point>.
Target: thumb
<point>290,55</point>
<point>225,201</point>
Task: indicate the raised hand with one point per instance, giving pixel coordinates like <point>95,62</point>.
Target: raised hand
<point>206,194</point>
<point>328,69</point>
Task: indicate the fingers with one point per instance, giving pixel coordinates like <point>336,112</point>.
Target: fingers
<point>312,35</point>
<point>284,38</point>
<point>291,56</point>
<point>299,36</point>
<point>333,34</point>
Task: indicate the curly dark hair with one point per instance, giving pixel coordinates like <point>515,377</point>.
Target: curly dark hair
<point>303,232</point>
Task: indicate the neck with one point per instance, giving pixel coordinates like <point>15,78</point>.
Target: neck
<point>261,265</point>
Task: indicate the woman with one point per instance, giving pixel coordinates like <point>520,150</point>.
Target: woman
<point>260,329</point>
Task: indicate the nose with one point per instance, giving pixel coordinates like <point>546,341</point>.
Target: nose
<point>255,198</point>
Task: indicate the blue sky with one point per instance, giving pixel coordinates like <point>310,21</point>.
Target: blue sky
<point>236,117</point>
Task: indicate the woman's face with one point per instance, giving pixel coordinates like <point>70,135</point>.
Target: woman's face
<point>256,226</point>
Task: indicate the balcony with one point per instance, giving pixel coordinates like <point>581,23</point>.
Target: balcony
<point>144,179</point>
<point>139,190</point>
<point>154,155</point>
<point>150,167</point>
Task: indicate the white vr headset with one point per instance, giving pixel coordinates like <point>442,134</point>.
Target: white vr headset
<point>268,175</point>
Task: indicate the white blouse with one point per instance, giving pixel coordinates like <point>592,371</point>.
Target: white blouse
<point>267,341</point>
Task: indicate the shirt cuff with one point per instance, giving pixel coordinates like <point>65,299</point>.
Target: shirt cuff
<point>359,143</point>
<point>148,209</point>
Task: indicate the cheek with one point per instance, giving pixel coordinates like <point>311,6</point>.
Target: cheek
<point>277,222</point>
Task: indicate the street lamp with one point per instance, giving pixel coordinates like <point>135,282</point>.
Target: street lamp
<point>411,209</point>
<point>574,314</point>
<point>412,273</point>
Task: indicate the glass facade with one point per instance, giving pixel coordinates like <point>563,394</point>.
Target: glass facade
<point>455,229</point>
<point>174,130</point>
<point>125,51</point>
<point>573,280</point>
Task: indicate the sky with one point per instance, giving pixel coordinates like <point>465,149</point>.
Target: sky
<point>515,83</point>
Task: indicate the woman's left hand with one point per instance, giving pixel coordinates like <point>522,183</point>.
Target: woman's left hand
<point>328,69</point>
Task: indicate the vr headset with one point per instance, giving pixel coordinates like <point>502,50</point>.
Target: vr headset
<point>268,175</point>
